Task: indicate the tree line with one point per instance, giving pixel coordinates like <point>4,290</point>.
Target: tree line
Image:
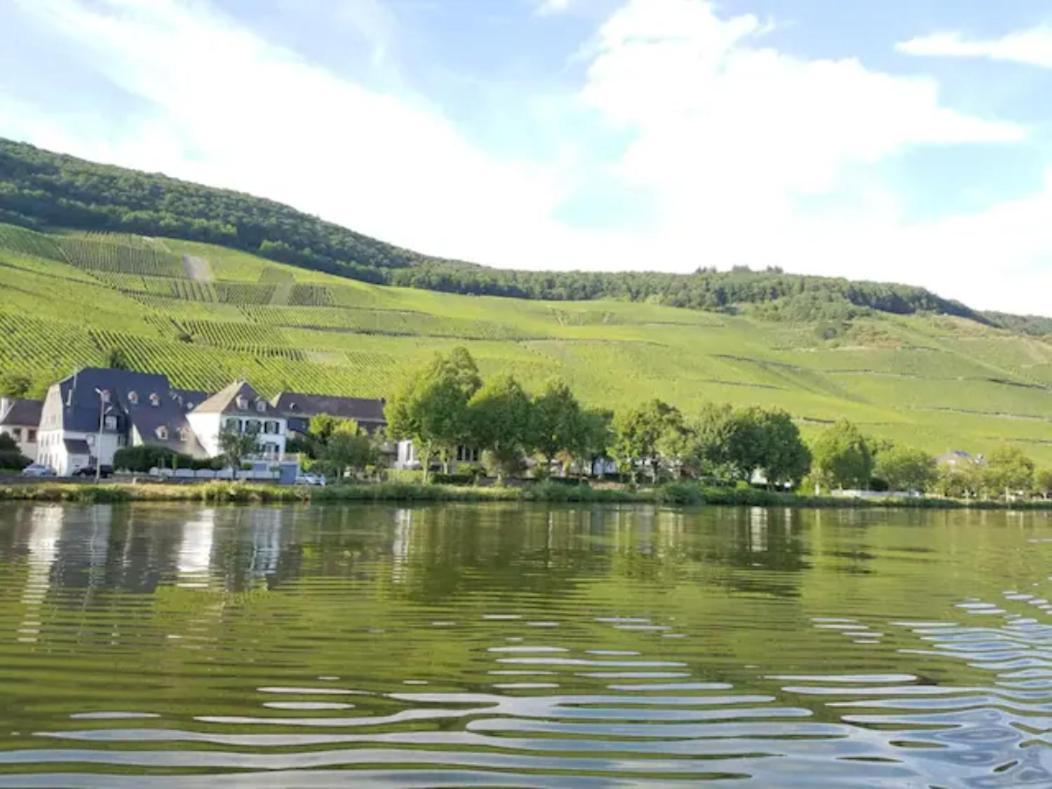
<point>41,189</point>
<point>446,404</point>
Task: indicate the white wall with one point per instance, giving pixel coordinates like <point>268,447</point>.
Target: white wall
<point>208,426</point>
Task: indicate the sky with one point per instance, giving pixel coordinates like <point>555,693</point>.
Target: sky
<point>903,140</point>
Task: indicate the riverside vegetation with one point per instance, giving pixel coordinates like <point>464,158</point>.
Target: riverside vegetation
<point>716,457</point>
<point>154,287</point>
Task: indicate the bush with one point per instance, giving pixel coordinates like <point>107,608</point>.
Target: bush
<point>454,479</point>
<point>680,494</point>
<point>145,457</point>
<point>13,460</point>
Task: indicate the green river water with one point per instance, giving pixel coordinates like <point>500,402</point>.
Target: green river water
<point>514,645</point>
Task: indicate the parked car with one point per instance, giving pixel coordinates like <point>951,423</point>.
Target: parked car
<point>308,478</point>
<point>89,471</point>
<point>37,470</point>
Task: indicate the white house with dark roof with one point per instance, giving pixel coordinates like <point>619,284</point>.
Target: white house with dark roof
<point>239,408</point>
<point>88,416</point>
<point>20,419</point>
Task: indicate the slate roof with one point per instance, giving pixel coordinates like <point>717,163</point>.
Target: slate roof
<point>225,402</point>
<point>363,410</point>
<point>80,406</point>
<point>77,446</point>
<point>24,413</point>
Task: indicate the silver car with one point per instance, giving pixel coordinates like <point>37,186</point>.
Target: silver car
<point>37,470</point>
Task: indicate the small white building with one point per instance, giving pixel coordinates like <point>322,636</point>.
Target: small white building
<point>239,408</point>
<point>20,419</point>
<point>406,457</point>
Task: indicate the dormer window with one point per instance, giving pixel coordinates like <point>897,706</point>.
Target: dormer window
<point>162,432</point>
<point>133,398</point>
<point>189,406</point>
<point>110,422</point>
<point>184,435</point>
<point>242,403</point>
<point>155,399</point>
<point>261,406</point>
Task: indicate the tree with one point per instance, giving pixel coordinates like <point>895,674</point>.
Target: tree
<point>1009,470</point>
<point>116,359</point>
<point>1043,482</point>
<point>11,456</point>
<point>906,469</point>
<point>842,457</point>
<point>959,480</point>
<point>593,438</point>
<point>785,458</point>
<point>348,448</point>
<point>557,421</point>
<point>501,421</point>
<point>732,444</point>
<point>711,447</point>
<point>14,384</point>
<point>643,432</point>
<point>431,406</point>
<point>236,447</point>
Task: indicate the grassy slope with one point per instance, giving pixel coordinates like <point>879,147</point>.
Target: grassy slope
<point>932,381</point>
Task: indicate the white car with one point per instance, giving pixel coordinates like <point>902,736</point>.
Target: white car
<point>311,479</point>
<point>37,470</point>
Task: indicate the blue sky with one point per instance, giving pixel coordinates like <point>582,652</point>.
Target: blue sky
<point>906,140</point>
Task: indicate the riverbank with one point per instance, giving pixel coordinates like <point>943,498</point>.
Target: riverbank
<point>672,494</point>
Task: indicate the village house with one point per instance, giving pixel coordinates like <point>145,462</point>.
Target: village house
<point>299,408</point>
<point>240,409</point>
<point>89,415</point>
<point>20,419</point>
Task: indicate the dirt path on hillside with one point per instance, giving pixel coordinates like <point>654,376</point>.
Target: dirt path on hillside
<point>197,269</point>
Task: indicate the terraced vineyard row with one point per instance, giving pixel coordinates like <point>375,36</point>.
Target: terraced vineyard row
<point>382,322</point>
<point>29,242</point>
<point>28,343</point>
<point>122,254</point>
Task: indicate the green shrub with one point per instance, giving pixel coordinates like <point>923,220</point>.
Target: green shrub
<point>680,494</point>
<point>145,457</point>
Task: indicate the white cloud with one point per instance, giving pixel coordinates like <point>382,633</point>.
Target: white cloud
<point>229,109</point>
<point>546,7</point>
<point>1031,47</point>
<point>738,140</point>
<point>751,155</point>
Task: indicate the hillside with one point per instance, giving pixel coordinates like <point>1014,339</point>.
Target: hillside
<point>40,189</point>
<point>205,314</point>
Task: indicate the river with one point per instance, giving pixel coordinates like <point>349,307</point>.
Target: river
<point>505,644</point>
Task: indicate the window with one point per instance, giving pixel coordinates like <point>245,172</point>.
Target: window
<point>110,421</point>
<point>252,426</point>
<point>272,427</point>
<point>189,406</point>
<point>16,433</point>
<point>32,437</point>
<point>184,434</point>
<point>162,432</point>
<point>261,406</point>
<point>242,403</point>
<point>133,397</point>
<point>155,399</point>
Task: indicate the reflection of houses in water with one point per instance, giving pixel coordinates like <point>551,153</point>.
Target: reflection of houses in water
<point>194,559</point>
<point>265,528</point>
<point>400,544</point>
<point>45,529</point>
<point>757,530</point>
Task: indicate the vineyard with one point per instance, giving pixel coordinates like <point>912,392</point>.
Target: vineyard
<point>69,300</point>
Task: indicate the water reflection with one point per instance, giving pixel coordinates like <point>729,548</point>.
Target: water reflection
<point>530,645</point>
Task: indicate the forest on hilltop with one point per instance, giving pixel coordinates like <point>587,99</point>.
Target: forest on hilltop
<point>40,189</point>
